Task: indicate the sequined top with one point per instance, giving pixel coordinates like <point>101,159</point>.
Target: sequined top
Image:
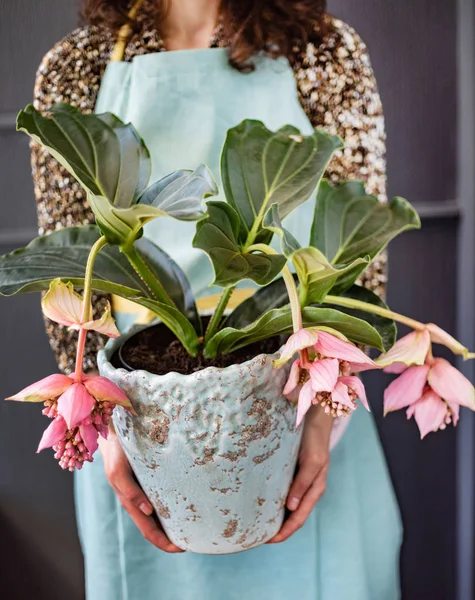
<point>336,88</point>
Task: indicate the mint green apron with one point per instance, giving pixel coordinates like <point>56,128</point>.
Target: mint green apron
<point>182,103</point>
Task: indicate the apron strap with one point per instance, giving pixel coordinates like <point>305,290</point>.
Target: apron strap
<point>125,32</point>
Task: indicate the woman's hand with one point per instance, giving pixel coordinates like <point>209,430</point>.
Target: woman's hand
<point>119,474</point>
<point>309,484</point>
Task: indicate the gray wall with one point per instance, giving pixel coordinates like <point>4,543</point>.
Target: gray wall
<point>413,49</point>
<point>413,52</point>
<point>36,499</point>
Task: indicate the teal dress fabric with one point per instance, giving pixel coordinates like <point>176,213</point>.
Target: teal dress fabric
<point>182,103</point>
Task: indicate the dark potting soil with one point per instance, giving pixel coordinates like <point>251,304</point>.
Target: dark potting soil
<point>156,350</point>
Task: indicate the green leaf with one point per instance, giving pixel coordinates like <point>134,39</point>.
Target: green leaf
<point>220,235</point>
<point>263,300</point>
<point>273,223</point>
<point>180,194</point>
<point>349,225</point>
<point>135,164</point>
<point>172,318</point>
<point>112,163</point>
<point>64,254</point>
<point>385,327</point>
<point>170,276</point>
<point>107,157</point>
<point>275,296</point>
<point>260,167</point>
<point>279,321</point>
<point>316,275</point>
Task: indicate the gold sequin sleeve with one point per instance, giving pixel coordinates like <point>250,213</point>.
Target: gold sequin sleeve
<point>70,72</point>
<point>338,92</point>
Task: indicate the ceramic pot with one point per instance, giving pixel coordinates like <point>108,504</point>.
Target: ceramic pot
<point>215,451</point>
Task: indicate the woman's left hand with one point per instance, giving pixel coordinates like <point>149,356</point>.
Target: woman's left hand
<point>310,482</point>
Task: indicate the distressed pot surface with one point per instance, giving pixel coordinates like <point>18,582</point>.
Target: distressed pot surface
<point>215,451</point>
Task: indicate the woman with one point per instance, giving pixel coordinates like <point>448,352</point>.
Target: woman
<point>347,548</point>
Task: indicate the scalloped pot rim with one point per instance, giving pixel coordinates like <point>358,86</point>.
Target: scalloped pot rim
<point>104,355</point>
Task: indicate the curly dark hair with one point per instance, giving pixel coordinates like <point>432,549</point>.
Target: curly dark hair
<point>278,27</point>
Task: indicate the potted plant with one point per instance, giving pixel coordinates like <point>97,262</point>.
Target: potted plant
<point>208,408</point>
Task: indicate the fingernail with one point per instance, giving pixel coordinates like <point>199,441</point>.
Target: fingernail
<point>293,503</point>
<point>146,509</point>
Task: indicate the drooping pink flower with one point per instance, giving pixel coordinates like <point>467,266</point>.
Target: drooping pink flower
<point>412,349</point>
<point>44,389</point>
<point>297,377</point>
<point>63,305</point>
<point>80,406</point>
<point>74,447</point>
<point>81,411</point>
<point>302,339</point>
<point>75,404</point>
<point>326,344</point>
<point>432,393</point>
<point>73,401</point>
<point>334,347</point>
<point>324,378</point>
<point>329,387</point>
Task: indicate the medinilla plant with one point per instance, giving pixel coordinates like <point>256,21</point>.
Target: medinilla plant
<point>307,288</point>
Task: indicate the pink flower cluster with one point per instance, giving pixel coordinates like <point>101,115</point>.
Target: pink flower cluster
<point>323,373</point>
<point>80,406</point>
<point>430,388</point>
<point>80,412</point>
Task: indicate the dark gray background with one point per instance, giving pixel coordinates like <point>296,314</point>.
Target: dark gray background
<point>413,44</point>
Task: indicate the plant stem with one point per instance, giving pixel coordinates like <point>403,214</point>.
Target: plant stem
<point>147,275</point>
<point>218,313</point>
<point>293,297</point>
<point>373,308</point>
<point>289,284</point>
<point>80,355</point>
<point>86,305</point>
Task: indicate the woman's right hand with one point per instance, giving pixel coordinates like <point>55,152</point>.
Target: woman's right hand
<point>120,476</point>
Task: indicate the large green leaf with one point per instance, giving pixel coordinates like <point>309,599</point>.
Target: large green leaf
<point>350,225</point>
<point>64,254</point>
<point>220,235</point>
<point>279,321</point>
<point>260,167</point>
<point>385,327</point>
<point>107,157</point>
<point>110,160</point>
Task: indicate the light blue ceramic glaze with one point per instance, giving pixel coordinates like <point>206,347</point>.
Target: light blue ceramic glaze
<point>215,451</point>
